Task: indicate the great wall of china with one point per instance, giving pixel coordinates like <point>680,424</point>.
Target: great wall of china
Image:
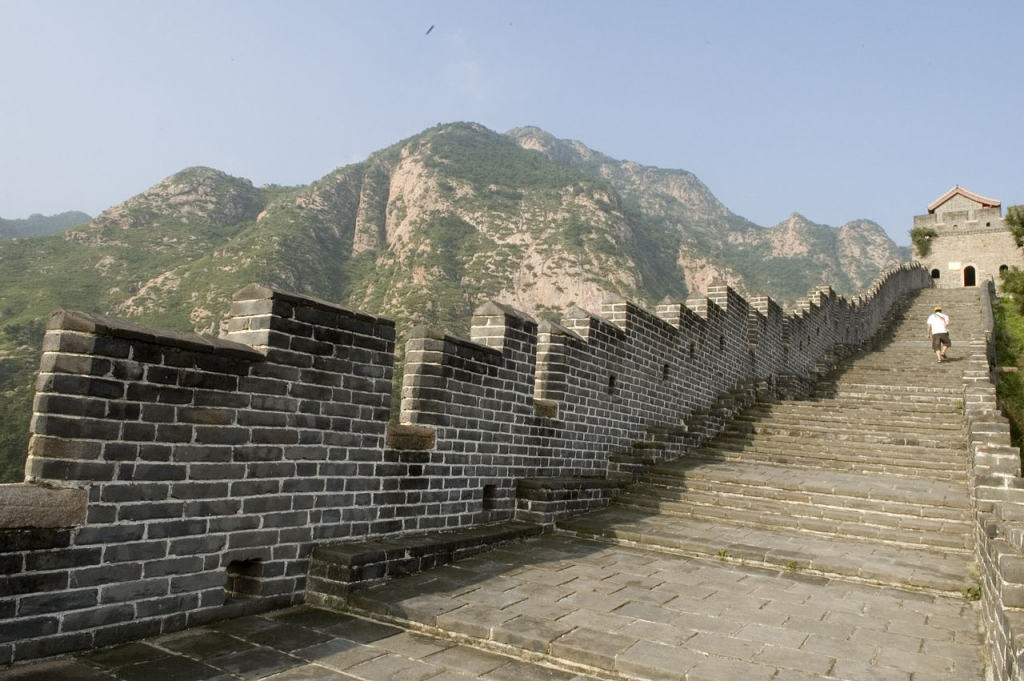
<point>174,480</point>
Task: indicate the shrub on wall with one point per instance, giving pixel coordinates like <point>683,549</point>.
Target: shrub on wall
<point>1009,339</point>
<point>1015,221</point>
<point>1013,285</point>
<point>922,237</point>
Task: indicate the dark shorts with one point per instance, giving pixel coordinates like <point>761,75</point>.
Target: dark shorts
<point>940,339</point>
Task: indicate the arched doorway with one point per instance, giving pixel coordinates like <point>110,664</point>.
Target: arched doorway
<point>969,276</point>
<point>936,274</point>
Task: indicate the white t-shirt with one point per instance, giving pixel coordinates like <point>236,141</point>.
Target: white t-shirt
<point>937,323</point>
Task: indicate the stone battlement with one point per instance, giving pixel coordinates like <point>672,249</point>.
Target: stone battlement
<point>195,475</point>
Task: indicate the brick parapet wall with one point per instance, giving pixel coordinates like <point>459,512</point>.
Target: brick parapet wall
<point>212,466</point>
<point>206,462</point>
<point>998,496</point>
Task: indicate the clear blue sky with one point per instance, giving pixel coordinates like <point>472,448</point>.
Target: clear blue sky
<point>837,110</point>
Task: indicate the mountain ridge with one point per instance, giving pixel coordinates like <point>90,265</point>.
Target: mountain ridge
<point>41,225</point>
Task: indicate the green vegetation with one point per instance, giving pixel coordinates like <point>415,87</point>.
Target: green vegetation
<point>971,592</point>
<point>1009,340</point>
<point>17,382</point>
<point>921,238</point>
<point>484,159</point>
<point>41,225</point>
<point>1015,221</point>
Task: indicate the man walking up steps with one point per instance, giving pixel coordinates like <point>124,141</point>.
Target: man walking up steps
<point>938,331</point>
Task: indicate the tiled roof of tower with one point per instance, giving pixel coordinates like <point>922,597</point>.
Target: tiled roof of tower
<point>984,201</point>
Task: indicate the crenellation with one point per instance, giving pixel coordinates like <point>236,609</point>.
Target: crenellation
<point>212,466</point>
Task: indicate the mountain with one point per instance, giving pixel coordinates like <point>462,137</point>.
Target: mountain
<point>422,231</point>
<point>714,244</point>
<point>41,225</point>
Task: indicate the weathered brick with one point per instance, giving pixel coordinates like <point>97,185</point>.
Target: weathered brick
<point>61,601</point>
<point>198,582</point>
<point>192,546</point>
<point>144,550</point>
<point>94,617</point>
<point>58,448</point>
<point>222,435</point>
<point>28,627</point>
<point>38,561</point>
<point>145,470</point>
<point>75,427</point>
<point>105,574</point>
<point>108,534</point>
<point>39,468</point>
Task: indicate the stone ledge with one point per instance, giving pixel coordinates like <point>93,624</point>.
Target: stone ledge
<point>541,488</point>
<point>31,506</point>
<point>99,325</point>
<point>339,568</point>
<point>260,292</point>
<point>545,501</point>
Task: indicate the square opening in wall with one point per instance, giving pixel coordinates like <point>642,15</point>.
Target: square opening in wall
<point>245,578</point>
<point>490,497</point>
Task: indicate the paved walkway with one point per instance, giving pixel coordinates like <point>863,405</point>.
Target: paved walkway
<point>586,610</point>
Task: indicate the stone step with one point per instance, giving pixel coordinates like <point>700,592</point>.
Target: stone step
<point>894,461</point>
<point>726,493</point>
<point>822,410</point>
<point>907,379</point>
<point>854,398</point>
<point>873,394</point>
<point>837,424</point>
<point>853,523</point>
<point>903,391</point>
<point>799,550</point>
<point>799,462</point>
<point>785,433</point>
<point>832,488</point>
<point>944,501</point>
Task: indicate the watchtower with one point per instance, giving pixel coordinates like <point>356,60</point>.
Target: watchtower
<point>971,242</point>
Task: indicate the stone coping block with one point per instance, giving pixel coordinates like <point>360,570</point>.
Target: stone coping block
<point>32,506</point>
<point>260,292</point>
<point>407,437</point>
<point>535,488</point>
<point>376,550</point>
<point>99,325</point>
<point>339,568</point>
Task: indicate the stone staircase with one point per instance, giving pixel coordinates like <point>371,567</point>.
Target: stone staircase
<point>865,480</point>
<point>856,500</point>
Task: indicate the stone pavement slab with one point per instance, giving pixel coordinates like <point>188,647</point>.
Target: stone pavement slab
<point>631,611</point>
<point>614,612</point>
<point>298,644</point>
<point>872,561</point>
